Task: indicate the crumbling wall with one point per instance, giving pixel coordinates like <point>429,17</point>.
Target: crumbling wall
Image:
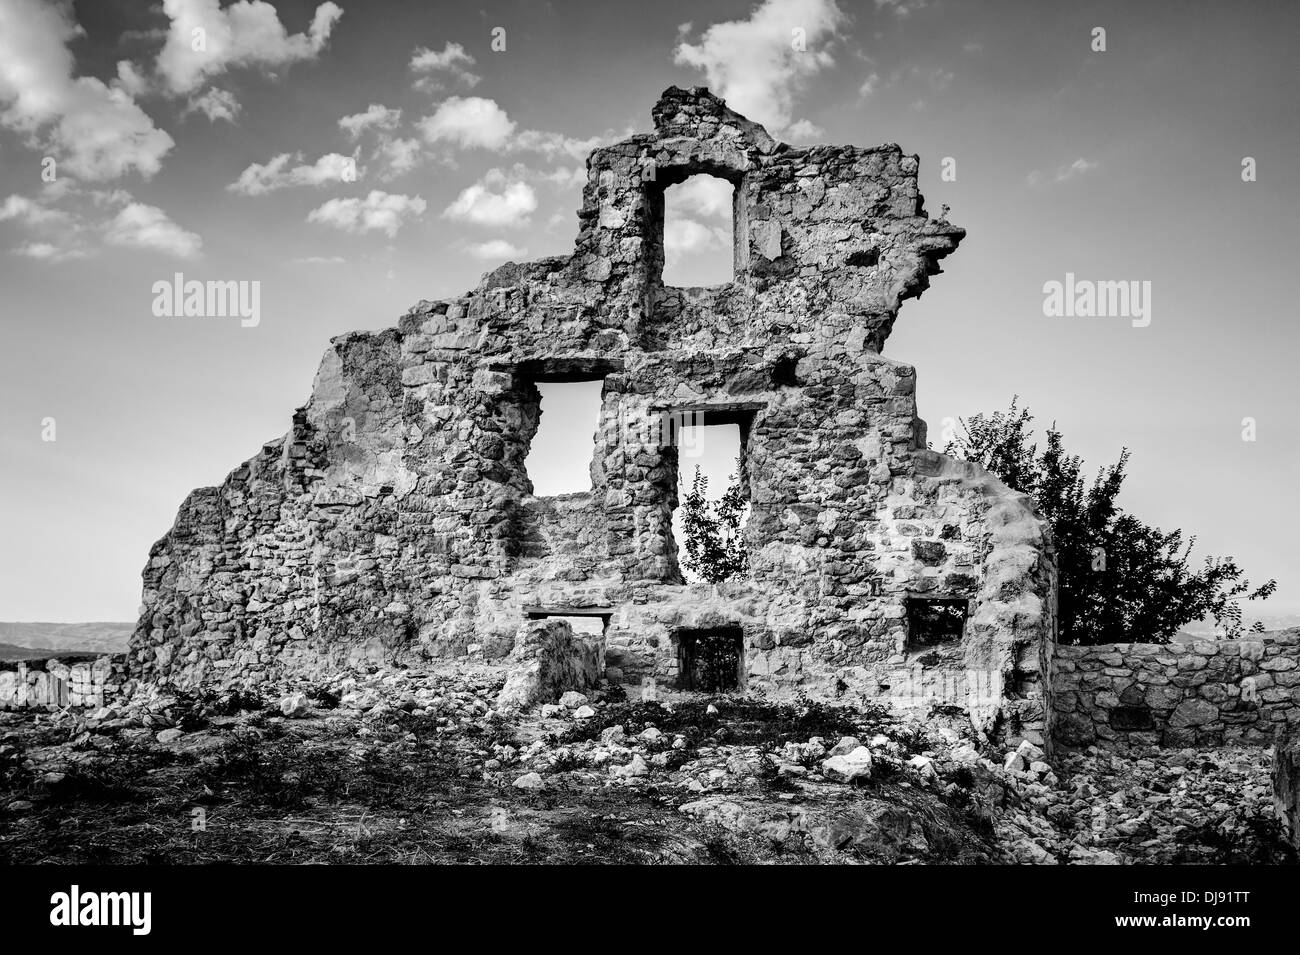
<point>548,660</point>
<point>397,520</point>
<point>55,683</point>
<point>1205,693</point>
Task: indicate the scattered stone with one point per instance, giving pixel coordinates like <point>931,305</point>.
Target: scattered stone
<point>849,767</point>
<point>295,704</point>
<point>530,781</point>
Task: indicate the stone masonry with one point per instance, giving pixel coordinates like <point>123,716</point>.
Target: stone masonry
<point>1206,693</point>
<point>396,520</point>
<point>84,681</point>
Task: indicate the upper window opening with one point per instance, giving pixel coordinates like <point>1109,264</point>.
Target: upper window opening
<point>560,456</point>
<point>699,232</point>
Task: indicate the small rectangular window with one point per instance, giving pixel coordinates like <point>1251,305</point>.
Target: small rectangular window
<point>935,621</point>
<point>709,660</point>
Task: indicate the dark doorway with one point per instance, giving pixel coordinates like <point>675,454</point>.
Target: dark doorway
<point>709,660</point>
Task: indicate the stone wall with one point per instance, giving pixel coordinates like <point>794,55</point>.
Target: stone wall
<point>54,683</point>
<point>1286,787</point>
<point>396,520</point>
<point>1205,693</point>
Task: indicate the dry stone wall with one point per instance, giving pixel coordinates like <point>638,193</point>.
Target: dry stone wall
<point>54,683</point>
<point>396,520</point>
<point>1205,693</point>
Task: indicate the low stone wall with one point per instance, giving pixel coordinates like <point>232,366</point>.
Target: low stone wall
<point>72,681</point>
<point>1205,693</point>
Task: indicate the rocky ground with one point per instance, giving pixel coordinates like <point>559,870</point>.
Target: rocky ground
<point>393,765</point>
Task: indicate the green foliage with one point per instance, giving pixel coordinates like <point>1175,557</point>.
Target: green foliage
<point>715,547</point>
<point>1121,580</point>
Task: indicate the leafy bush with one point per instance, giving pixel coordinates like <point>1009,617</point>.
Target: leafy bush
<point>1121,579</point>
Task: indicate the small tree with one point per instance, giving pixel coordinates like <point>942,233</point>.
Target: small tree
<point>1120,579</point>
<point>715,548</point>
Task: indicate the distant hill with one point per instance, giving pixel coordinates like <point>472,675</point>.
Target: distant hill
<point>9,653</point>
<point>96,637</point>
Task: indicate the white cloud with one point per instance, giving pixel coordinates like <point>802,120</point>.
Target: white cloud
<point>130,80</point>
<point>901,8</point>
<point>49,252</point>
<point>495,200</point>
<point>555,144</point>
<point>1079,167</point>
<point>469,121</point>
<point>24,210</point>
<point>804,131</point>
<point>400,155</point>
<point>753,64</point>
<point>683,236</point>
<point>475,122</point>
<point>147,227</point>
<point>495,249</point>
<point>376,116</point>
<point>869,86</point>
<point>245,33</point>
<point>452,60</point>
<point>378,212</point>
<point>701,197</point>
<point>215,104</point>
<point>319,260</point>
<point>261,178</point>
<point>94,131</point>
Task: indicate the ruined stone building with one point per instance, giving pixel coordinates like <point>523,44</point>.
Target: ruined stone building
<point>396,521</point>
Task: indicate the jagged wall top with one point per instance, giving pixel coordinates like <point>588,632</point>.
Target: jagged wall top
<point>827,239</point>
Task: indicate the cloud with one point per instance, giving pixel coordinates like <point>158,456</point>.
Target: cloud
<point>869,86</point>
<point>1064,173</point>
<point>376,116</point>
<point>495,249</point>
<point>140,226</point>
<point>684,237</point>
<point>215,104</point>
<point>319,260</point>
<point>555,144</point>
<point>49,252</point>
<point>130,80</point>
<point>470,122</point>
<point>94,131</point>
<point>261,178</point>
<point>901,8</point>
<point>705,197</point>
<point>399,155</point>
<point>753,64</point>
<point>1077,168</point>
<point>803,131</point>
<point>245,33</point>
<point>495,200</point>
<point>24,210</point>
<point>452,60</point>
<point>473,122</point>
<point>378,212</point>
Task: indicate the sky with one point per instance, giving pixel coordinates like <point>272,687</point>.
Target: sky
<point>354,158</point>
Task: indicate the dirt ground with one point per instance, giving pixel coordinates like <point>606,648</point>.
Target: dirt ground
<point>404,767</point>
